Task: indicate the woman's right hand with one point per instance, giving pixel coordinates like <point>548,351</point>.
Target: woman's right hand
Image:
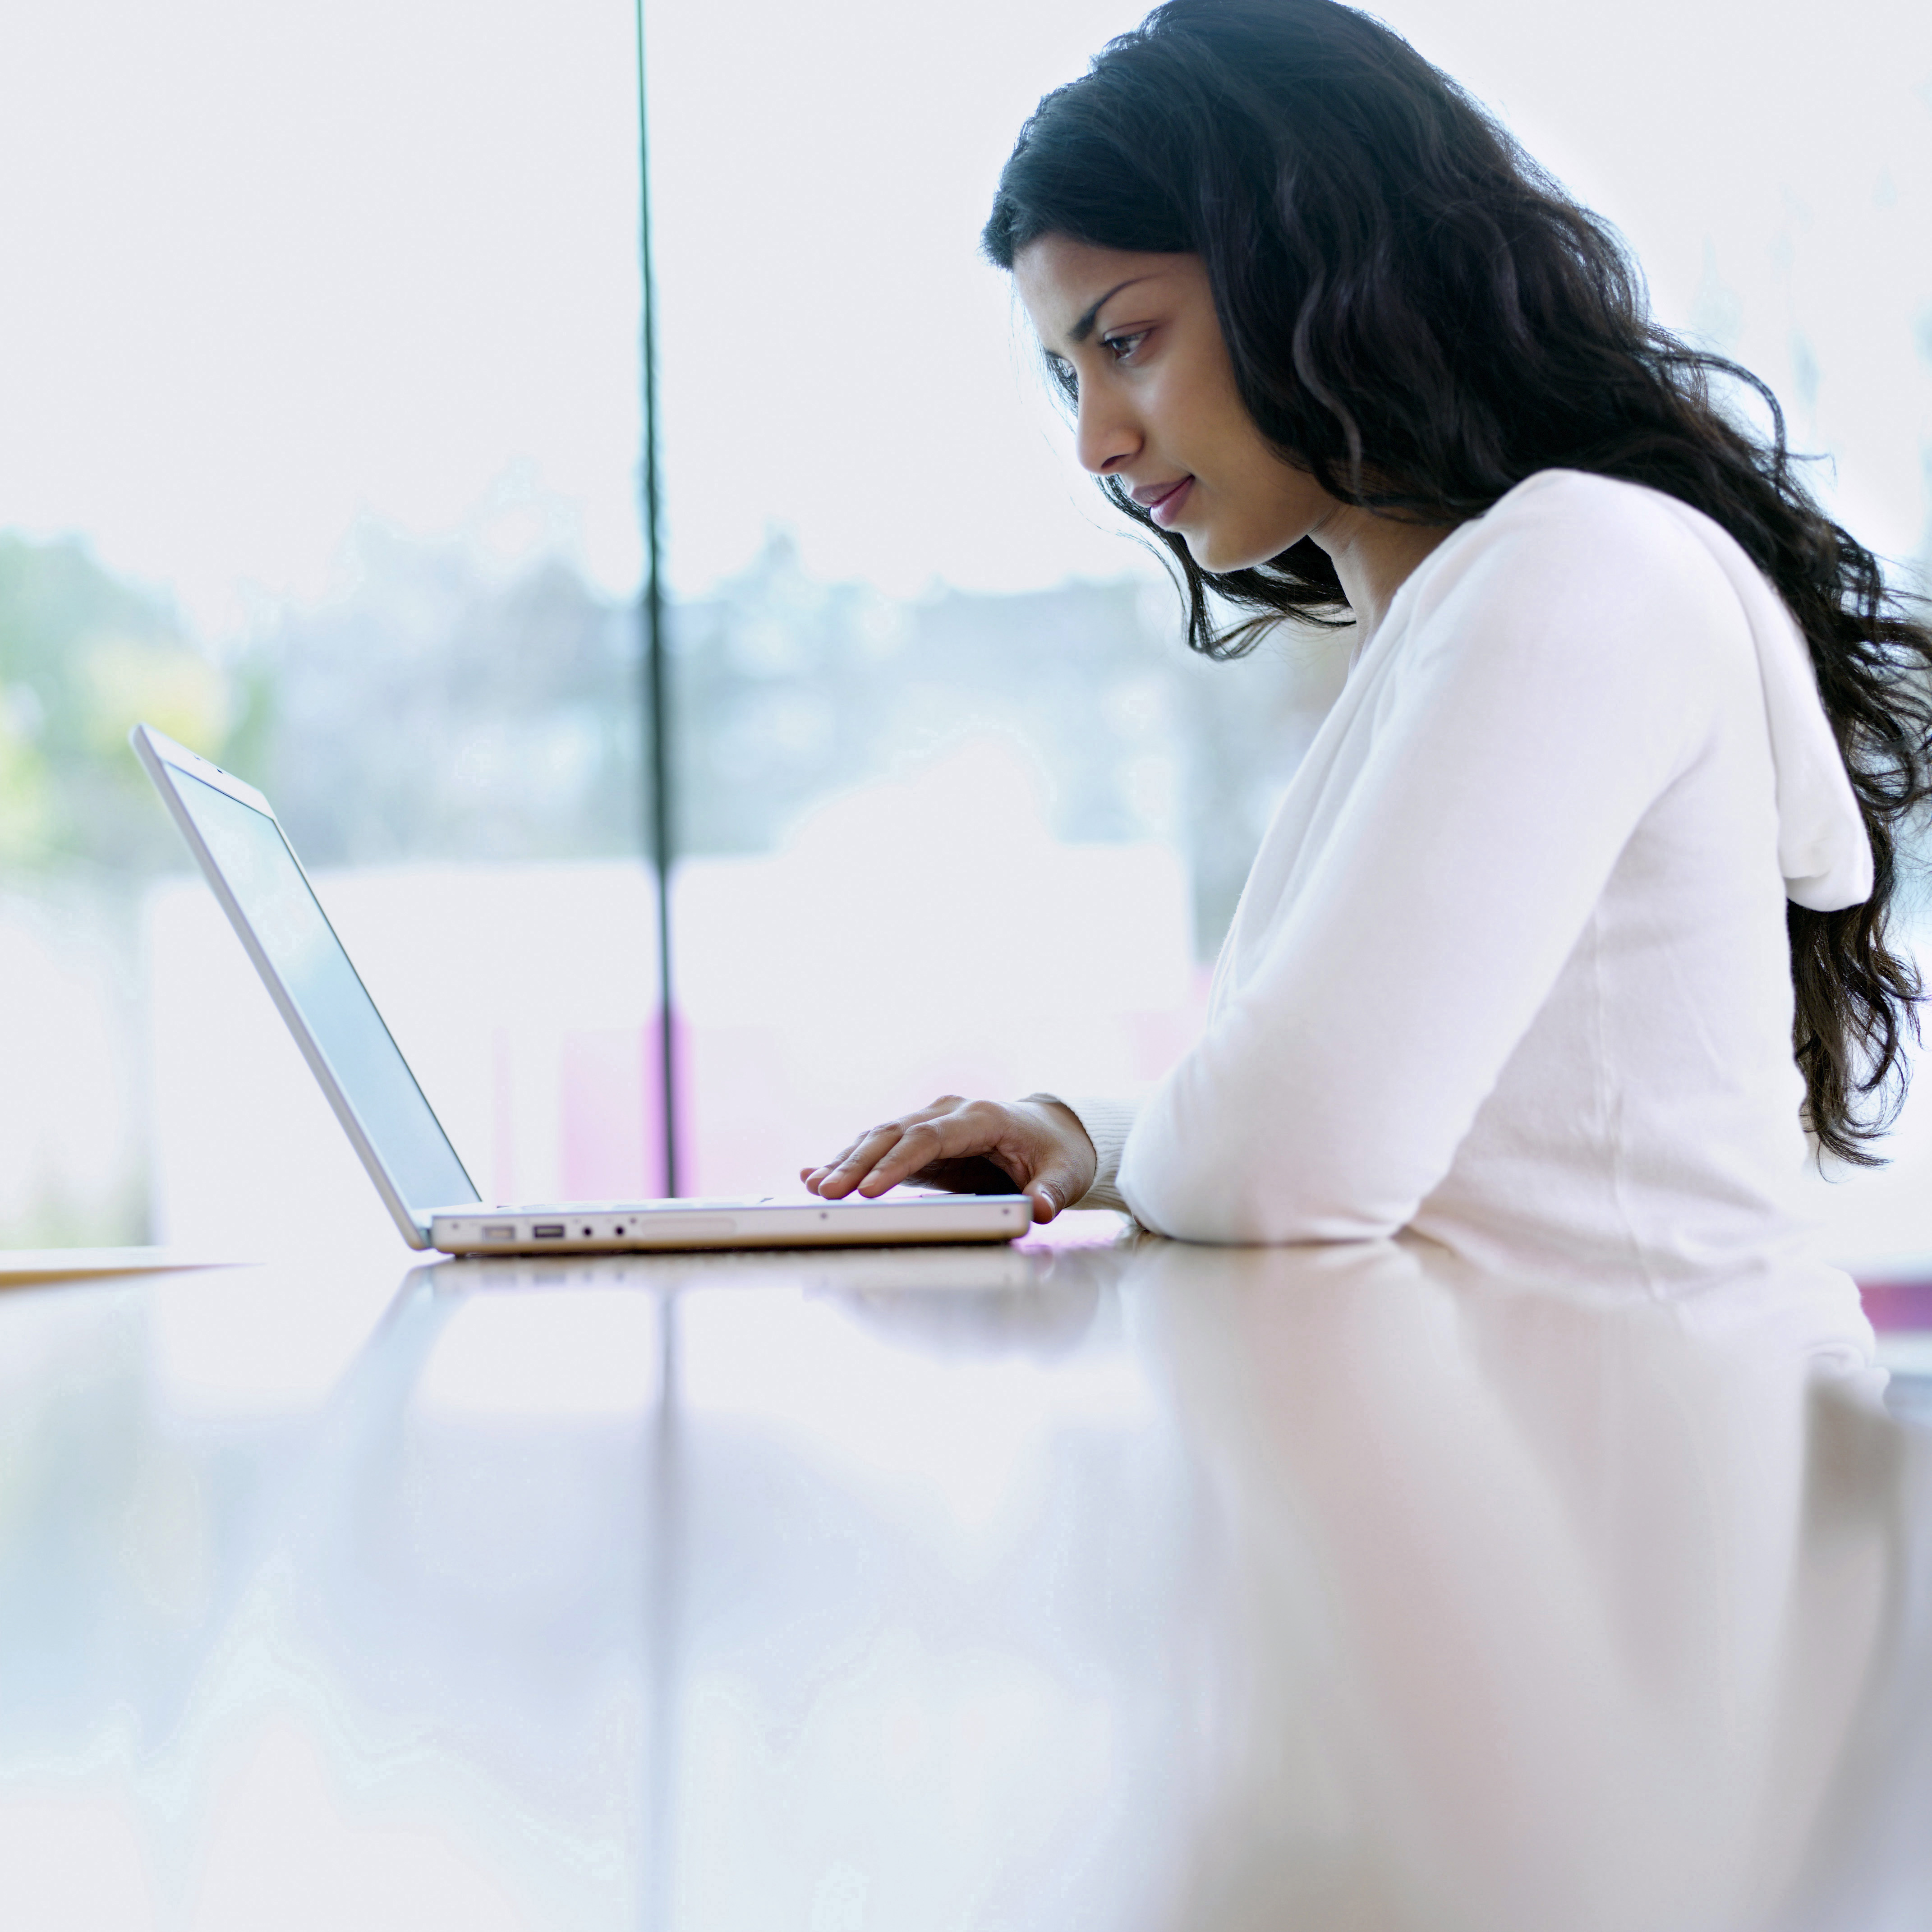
<point>1035,1147</point>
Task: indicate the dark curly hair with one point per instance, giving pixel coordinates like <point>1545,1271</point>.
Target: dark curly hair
<point>1419,318</point>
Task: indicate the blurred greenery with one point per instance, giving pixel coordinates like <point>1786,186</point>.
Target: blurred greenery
<point>436,705</point>
<point>83,655</point>
<point>786,690</point>
<point>433,707</point>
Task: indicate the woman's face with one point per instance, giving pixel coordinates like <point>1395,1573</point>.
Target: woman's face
<point>1158,406</point>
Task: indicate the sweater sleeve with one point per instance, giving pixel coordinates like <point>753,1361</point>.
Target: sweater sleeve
<point>1546,690</point>
<point>1108,1123</point>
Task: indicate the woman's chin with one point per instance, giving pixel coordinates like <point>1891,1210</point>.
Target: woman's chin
<point>1202,547</point>
<point>1220,551</point>
<point>1217,559</point>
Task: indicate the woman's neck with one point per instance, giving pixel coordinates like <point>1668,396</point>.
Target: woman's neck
<point>1373,557</point>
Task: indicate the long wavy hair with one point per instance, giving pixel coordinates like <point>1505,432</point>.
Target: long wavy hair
<point>1419,318</point>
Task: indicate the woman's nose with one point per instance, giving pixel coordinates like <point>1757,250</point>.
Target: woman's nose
<point>1104,437</point>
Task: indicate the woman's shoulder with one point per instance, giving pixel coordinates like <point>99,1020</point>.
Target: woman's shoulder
<point>1568,544</point>
<point>1605,517</point>
<point>1570,586</point>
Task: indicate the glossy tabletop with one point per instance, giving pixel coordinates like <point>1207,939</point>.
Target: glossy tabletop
<point>1112,1584</point>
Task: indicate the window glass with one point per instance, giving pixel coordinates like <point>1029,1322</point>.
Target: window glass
<point>318,446</point>
<point>962,813</point>
<point>319,425</point>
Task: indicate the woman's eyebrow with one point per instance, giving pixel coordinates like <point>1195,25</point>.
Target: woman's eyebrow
<point>1084,327</point>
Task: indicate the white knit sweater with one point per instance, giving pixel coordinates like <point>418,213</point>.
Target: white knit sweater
<point>1511,968</point>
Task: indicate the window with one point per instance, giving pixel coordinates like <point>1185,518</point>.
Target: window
<point>318,448</point>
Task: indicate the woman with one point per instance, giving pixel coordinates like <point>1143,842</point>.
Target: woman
<point>1572,923</point>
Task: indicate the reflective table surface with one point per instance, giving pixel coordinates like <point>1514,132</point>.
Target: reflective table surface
<point>1113,1584</point>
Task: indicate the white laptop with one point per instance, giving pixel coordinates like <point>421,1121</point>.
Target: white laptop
<point>232,830</point>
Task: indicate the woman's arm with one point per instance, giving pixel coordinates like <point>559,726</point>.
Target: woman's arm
<point>1564,665</point>
<point>1555,678</point>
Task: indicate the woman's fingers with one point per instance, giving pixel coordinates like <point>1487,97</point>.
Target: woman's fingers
<point>1039,1145</point>
<point>966,1131</point>
<point>896,1152</point>
<point>838,1177</point>
<point>805,1174</point>
<point>858,1168</point>
<point>846,1157</point>
<point>1054,1188</point>
<point>950,1128</point>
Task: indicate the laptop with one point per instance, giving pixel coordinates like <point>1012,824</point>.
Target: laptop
<point>233,832</point>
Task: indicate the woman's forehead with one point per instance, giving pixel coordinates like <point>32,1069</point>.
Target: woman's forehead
<point>1063,284</point>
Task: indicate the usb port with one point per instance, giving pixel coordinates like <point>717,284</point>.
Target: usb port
<point>548,1230</point>
<point>496,1232</point>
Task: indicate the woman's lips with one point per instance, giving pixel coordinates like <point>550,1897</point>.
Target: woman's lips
<point>1164,502</point>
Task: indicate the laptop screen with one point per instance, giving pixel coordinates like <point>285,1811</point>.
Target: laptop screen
<point>260,871</point>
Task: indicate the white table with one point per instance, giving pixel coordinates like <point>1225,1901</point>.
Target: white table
<point>1104,1586</point>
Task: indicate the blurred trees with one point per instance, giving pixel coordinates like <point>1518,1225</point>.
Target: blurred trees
<point>83,656</point>
<point>436,707</point>
<point>786,690</point>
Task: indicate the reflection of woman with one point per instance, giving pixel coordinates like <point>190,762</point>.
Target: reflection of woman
<point>1515,964</point>
<point>1519,1609</point>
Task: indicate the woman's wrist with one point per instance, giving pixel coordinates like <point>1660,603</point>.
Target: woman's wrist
<point>1105,1123</point>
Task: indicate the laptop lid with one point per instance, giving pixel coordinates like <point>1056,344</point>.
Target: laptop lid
<point>233,832</point>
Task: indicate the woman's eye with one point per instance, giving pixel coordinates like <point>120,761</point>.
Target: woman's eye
<point>1121,346</point>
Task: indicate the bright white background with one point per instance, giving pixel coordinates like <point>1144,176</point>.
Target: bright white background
<point>264,271</point>
<point>270,268</point>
